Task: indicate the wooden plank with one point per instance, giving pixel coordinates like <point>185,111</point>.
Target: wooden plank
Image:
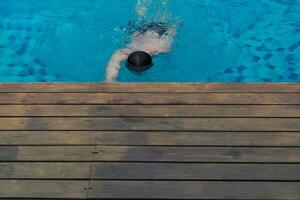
<point>45,170</point>
<point>149,98</point>
<point>43,189</point>
<point>149,154</point>
<point>198,154</point>
<point>150,110</point>
<point>154,124</point>
<point>46,153</point>
<point>195,171</point>
<point>194,190</point>
<point>150,87</point>
<point>149,138</point>
<point>149,171</point>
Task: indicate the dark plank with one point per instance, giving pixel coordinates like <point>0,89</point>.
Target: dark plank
<point>149,138</point>
<point>149,171</point>
<point>194,190</point>
<point>198,154</point>
<point>150,87</point>
<point>155,154</point>
<point>157,124</point>
<point>45,170</point>
<point>150,110</point>
<point>43,189</point>
<point>46,153</point>
<point>195,171</point>
<point>149,98</point>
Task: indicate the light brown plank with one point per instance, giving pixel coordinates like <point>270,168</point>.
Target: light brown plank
<point>155,124</point>
<point>195,171</point>
<point>45,170</point>
<point>149,98</point>
<point>43,189</point>
<point>46,153</point>
<point>194,190</point>
<point>198,154</point>
<point>150,110</point>
<point>150,87</point>
<point>149,138</point>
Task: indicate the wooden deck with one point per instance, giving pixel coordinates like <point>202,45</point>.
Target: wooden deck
<point>150,141</point>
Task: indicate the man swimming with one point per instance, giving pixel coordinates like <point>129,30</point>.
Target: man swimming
<point>146,41</point>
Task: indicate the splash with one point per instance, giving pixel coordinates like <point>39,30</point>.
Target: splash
<point>152,10</point>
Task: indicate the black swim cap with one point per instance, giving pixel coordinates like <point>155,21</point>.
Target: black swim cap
<point>139,61</point>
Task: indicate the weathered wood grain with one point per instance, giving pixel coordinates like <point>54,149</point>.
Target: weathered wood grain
<point>194,190</point>
<point>46,153</point>
<point>150,138</point>
<point>45,170</point>
<point>155,124</point>
<point>31,189</point>
<point>149,98</point>
<point>150,154</point>
<point>148,171</point>
<point>150,141</point>
<point>150,110</point>
<point>195,171</point>
<point>150,87</point>
<point>197,154</point>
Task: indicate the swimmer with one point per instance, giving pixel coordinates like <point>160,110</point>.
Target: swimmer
<point>146,41</point>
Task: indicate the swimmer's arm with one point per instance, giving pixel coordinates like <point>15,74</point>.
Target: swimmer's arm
<point>114,65</point>
<point>166,45</point>
<point>167,41</point>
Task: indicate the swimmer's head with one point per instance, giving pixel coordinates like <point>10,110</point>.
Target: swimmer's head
<point>139,61</point>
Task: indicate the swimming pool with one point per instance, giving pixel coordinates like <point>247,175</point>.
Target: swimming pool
<point>217,40</point>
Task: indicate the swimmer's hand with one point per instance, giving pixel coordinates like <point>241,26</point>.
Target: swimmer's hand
<point>112,71</point>
<point>114,65</point>
<point>110,80</point>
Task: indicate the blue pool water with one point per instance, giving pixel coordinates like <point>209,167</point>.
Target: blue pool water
<point>217,40</point>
